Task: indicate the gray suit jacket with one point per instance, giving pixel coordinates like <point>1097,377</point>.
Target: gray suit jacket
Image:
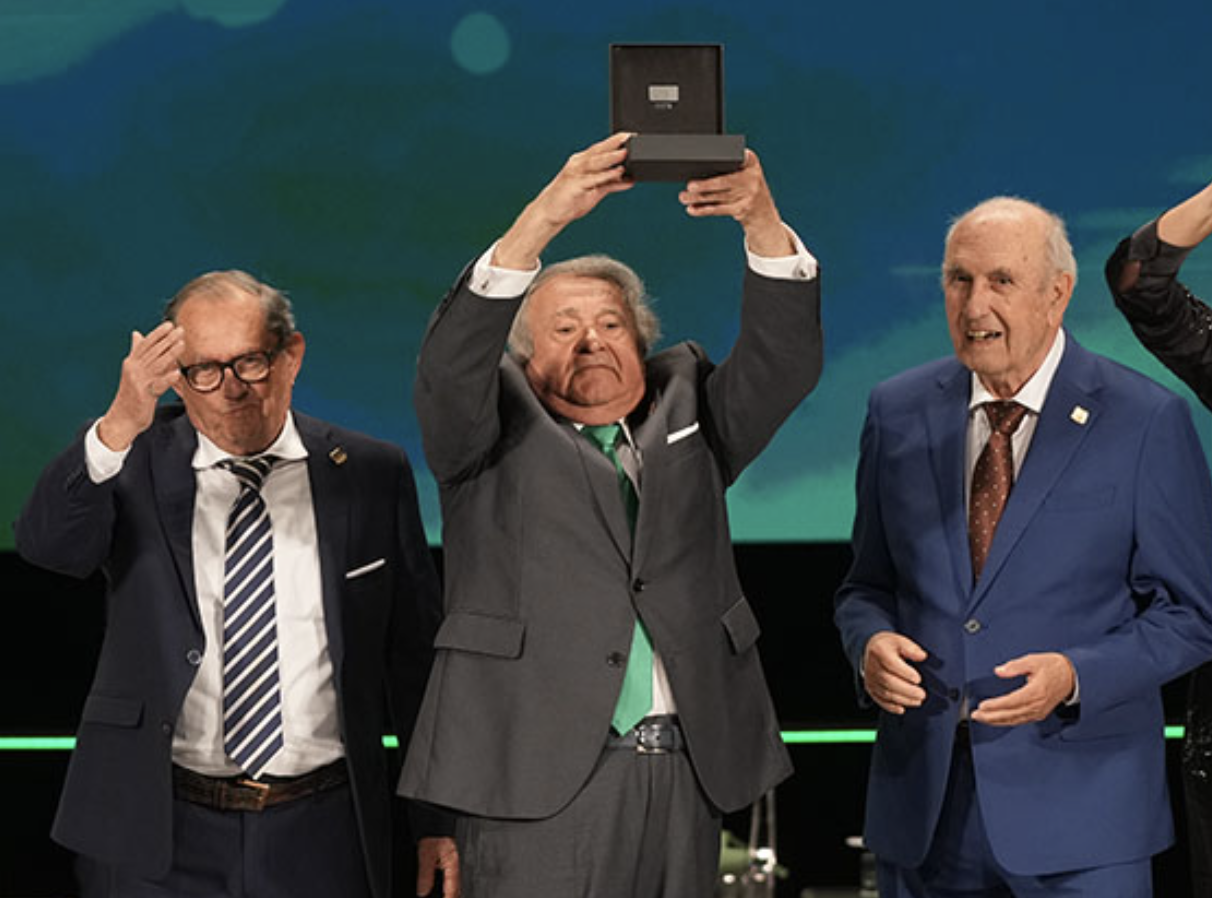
<point>544,579</point>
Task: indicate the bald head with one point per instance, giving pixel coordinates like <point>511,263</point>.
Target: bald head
<point>1008,273</point>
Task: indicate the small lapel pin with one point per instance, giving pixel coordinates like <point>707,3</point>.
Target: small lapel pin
<point>337,456</point>
<point>1079,415</point>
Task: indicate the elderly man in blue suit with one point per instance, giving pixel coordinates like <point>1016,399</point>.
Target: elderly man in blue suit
<point>1017,655</point>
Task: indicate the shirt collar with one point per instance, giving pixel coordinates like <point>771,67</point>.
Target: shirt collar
<point>624,428</point>
<point>1033,393</point>
<point>287,447</point>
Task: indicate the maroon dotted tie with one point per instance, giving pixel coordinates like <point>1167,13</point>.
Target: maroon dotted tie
<point>991,479</point>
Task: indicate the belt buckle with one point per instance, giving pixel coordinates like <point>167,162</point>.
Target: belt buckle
<point>256,796</point>
<point>648,740</point>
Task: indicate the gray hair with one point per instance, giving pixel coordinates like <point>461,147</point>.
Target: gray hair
<point>1056,239</point>
<point>279,315</point>
<point>602,268</point>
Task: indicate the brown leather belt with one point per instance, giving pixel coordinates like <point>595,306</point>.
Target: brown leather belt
<point>239,793</point>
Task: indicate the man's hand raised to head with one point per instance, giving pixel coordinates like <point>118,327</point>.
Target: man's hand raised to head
<point>148,371</point>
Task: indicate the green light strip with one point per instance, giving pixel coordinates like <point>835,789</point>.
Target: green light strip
<point>37,743</point>
<point>791,737</point>
<point>828,737</point>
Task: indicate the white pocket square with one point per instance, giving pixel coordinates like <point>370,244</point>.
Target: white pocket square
<point>682,434</point>
<point>365,569</point>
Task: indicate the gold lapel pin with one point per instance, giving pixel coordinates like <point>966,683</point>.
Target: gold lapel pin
<point>338,456</point>
<point>1079,415</point>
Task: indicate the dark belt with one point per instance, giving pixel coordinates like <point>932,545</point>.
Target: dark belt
<point>963,734</point>
<point>239,793</point>
<point>656,735</point>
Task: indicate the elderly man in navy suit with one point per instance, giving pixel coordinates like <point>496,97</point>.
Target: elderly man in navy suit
<point>270,599</point>
<point>1016,639</point>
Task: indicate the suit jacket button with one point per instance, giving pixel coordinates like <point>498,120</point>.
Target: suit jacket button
<point>166,728</point>
<point>953,694</point>
<point>638,585</point>
<point>194,657</point>
<point>616,659</point>
<point>972,626</point>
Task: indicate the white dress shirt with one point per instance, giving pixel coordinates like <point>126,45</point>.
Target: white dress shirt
<point>1031,395</point>
<point>309,702</point>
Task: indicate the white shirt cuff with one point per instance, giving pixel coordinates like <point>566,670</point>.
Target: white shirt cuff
<point>1076,697</point>
<point>800,267</point>
<point>492,282</point>
<point>499,283</point>
<point>103,462</point>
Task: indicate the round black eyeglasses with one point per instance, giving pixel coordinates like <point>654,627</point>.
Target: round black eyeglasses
<point>250,368</point>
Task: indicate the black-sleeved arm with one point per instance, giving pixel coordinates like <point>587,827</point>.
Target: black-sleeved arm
<point>1166,317</point>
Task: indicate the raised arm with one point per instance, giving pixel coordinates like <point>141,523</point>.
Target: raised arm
<point>585,180</point>
<point>66,523</point>
<point>1188,223</point>
<point>1166,317</point>
<point>745,196</point>
<point>777,358</point>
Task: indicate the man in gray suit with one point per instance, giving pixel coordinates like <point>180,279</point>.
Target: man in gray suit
<point>597,699</point>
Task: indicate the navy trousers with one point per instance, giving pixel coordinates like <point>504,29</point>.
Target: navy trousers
<point>306,848</point>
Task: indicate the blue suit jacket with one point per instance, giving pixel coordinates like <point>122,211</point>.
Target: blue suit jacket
<point>1104,552</point>
<point>136,528</point>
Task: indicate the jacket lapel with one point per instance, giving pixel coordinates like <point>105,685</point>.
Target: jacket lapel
<point>651,434</point>
<point>329,469</point>
<point>947,426</point>
<point>1058,435</point>
<point>604,487</point>
<point>175,488</point>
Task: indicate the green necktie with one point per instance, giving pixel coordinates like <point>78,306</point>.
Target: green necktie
<point>635,698</point>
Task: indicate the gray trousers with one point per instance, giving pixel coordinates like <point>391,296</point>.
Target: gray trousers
<point>640,828</point>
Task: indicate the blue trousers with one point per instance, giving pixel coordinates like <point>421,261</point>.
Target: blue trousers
<point>960,863</point>
<point>306,848</point>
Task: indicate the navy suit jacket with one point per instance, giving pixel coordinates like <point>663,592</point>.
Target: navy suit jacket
<point>136,528</point>
<point>1104,553</point>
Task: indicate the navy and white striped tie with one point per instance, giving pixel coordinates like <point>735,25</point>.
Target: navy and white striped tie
<point>252,702</point>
